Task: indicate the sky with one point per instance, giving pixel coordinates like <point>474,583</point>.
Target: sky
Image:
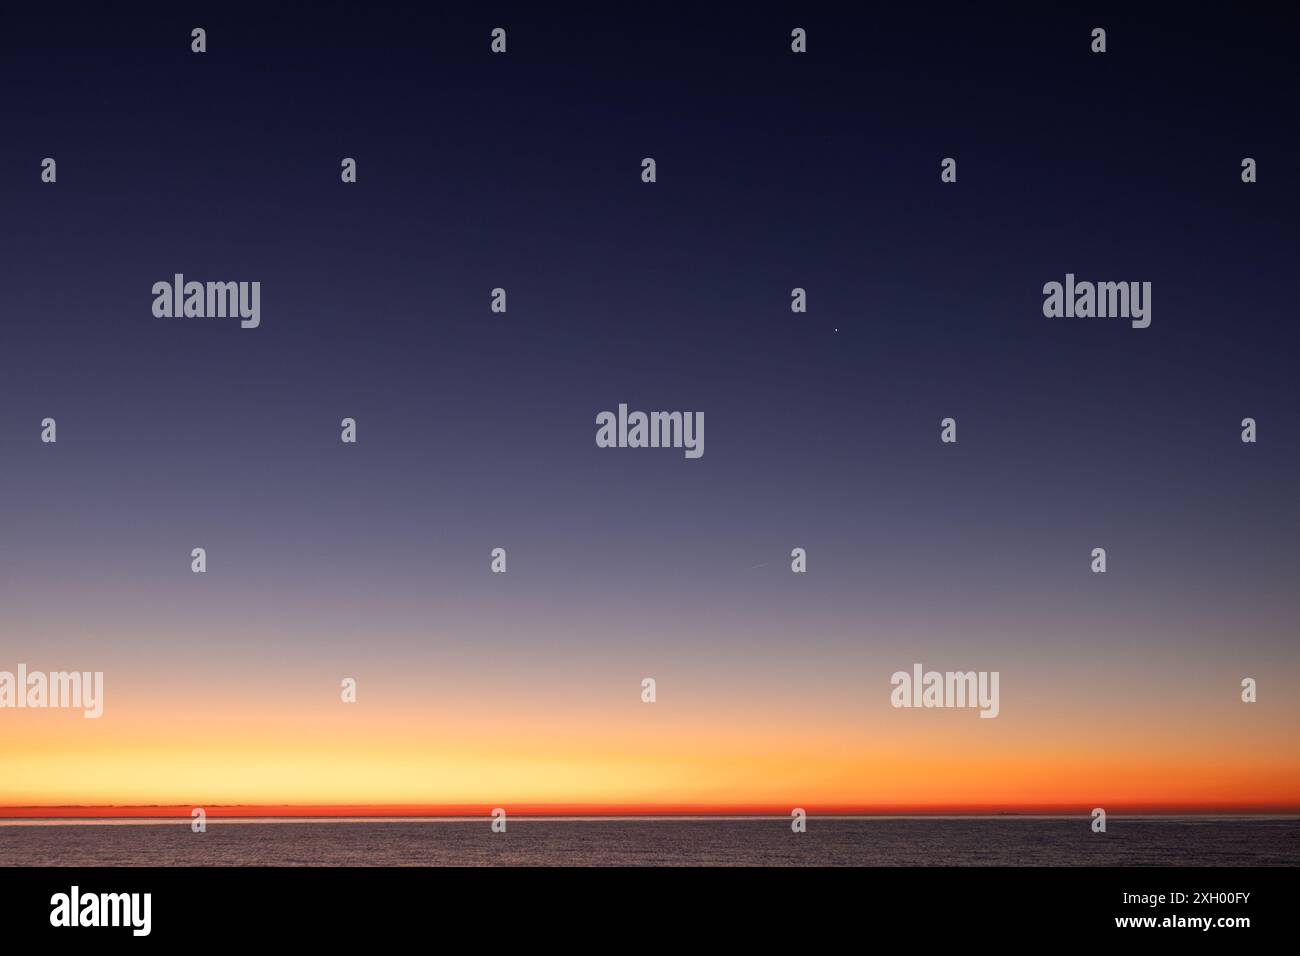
<point>476,430</point>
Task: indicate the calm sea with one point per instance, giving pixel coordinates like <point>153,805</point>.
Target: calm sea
<point>829,841</point>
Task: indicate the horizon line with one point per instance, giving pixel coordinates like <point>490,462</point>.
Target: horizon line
<point>621,810</point>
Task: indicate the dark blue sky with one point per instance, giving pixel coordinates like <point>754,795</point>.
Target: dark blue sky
<point>477,430</point>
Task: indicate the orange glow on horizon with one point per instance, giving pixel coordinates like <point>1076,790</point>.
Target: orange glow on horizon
<point>398,754</point>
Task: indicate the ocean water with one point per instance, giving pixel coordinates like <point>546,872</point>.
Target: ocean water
<point>829,841</point>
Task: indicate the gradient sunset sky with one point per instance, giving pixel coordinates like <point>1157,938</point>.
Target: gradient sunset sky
<point>476,430</point>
